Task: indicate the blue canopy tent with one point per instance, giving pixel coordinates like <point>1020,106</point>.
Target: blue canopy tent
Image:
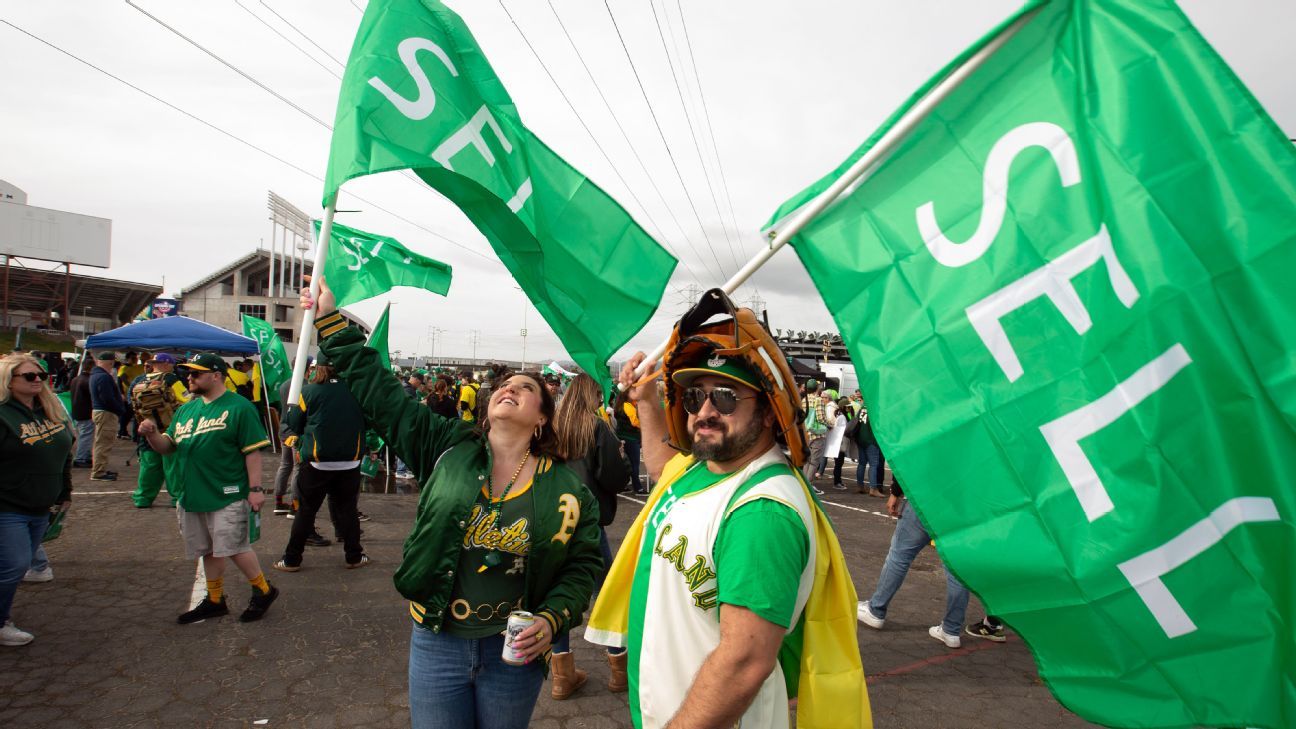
<point>173,334</point>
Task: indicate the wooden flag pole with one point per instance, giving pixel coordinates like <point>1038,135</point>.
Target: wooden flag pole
<point>865,164</point>
<point>308,315</point>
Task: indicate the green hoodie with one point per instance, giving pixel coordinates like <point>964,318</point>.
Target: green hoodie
<point>453,461</point>
<point>35,458</point>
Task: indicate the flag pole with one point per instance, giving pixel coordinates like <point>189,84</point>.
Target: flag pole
<point>865,164</point>
<point>308,315</point>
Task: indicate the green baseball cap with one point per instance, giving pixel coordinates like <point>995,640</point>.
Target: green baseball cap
<point>727,367</point>
<point>206,362</point>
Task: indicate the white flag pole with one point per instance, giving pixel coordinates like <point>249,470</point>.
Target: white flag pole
<point>865,164</point>
<point>308,315</point>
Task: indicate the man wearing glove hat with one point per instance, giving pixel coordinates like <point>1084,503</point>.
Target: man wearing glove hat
<point>730,590</point>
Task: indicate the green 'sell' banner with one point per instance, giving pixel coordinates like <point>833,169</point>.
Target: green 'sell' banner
<point>419,94</point>
<point>362,265</point>
<point>274,360</point>
<point>1070,294</point>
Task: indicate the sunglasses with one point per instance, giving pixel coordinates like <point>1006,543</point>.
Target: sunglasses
<point>34,376</point>
<point>725,399</point>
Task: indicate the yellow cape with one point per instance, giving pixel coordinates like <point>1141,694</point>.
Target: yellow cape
<point>831,693</point>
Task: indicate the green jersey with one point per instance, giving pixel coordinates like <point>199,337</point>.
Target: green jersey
<point>489,587</point>
<point>211,441</point>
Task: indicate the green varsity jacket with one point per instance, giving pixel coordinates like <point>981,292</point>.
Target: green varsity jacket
<point>452,461</point>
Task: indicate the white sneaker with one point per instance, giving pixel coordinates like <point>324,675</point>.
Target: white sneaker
<point>45,575</point>
<point>11,635</point>
<point>867,617</point>
<point>950,641</point>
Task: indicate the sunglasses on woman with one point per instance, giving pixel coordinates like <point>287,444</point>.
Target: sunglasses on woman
<point>34,376</point>
<point>725,399</point>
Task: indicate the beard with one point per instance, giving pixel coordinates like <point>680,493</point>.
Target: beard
<point>732,444</point>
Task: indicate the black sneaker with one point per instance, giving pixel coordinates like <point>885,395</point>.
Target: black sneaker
<point>317,540</point>
<point>259,604</point>
<point>981,630</point>
<point>362,516</point>
<point>206,609</point>
<point>81,464</point>
<point>282,508</point>
<point>108,476</point>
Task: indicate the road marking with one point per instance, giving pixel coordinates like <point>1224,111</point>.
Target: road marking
<point>934,660</point>
<point>199,586</point>
<point>641,502</point>
<point>100,493</point>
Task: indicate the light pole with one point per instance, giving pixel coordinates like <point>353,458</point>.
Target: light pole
<point>524,326</point>
<point>85,320</point>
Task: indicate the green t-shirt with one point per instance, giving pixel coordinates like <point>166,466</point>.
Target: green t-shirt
<point>211,441</point>
<point>484,594</point>
<point>748,573</point>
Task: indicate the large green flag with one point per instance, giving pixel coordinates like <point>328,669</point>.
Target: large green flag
<point>274,360</point>
<point>362,265</point>
<point>1069,294</point>
<point>418,93</point>
<point>378,338</point>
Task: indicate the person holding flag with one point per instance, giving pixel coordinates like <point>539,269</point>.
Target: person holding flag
<point>730,589</point>
<point>502,526</point>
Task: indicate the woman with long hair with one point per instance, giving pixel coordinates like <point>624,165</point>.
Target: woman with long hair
<point>501,527</point>
<point>36,458</point>
<point>592,450</point>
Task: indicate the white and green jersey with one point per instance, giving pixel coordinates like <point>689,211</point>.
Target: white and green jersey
<point>741,539</point>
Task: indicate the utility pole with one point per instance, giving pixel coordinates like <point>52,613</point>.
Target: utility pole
<point>433,332</point>
<point>474,336</point>
<point>525,306</point>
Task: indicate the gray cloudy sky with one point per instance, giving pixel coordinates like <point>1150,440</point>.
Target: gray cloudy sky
<point>791,89</point>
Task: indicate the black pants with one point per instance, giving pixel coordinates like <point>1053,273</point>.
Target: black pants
<point>343,491</point>
<point>841,458</point>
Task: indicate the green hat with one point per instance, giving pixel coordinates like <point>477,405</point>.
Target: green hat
<point>812,385</point>
<point>727,367</point>
<point>322,360</point>
<point>830,394</point>
<point>206,362</point>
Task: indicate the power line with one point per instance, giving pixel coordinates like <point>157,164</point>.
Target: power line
<point>662,134</point>
<point>231,66</point>
<point>307,37</point>
<point>629,144</point>
<point>688,121</point>
<point>235,137</point>
<point>594,139</point>
<point>706,115</point>
<point>287,40</point>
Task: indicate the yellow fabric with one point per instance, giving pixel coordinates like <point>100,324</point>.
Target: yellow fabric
<point>234,378</point>
<point>256,382</point>
<point>181,393</point>
<point>631,412</point>
<point>216,589</point>
<point>832,674</point>
<point>259,582</point>
<point>468,394</point>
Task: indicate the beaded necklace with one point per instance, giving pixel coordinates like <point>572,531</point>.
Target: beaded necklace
<point>493,557</point>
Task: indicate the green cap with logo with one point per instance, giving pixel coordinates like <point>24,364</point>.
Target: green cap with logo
<point>205,362</point>
<point>729,368</point>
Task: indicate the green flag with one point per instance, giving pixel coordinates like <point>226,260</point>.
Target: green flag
<point>362,265</point>
<point>419,94</point>
<point>378,338</point>
<point>1068,292</point>
<point>274,360</point>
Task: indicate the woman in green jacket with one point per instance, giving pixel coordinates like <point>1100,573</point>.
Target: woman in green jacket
<point>36,458</point>
<point>501,526</point>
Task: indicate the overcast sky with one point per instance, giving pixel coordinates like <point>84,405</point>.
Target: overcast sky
<point>790,89</point>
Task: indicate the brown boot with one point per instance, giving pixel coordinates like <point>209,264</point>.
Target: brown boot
<point>617,681</point>
<point>567,678</point>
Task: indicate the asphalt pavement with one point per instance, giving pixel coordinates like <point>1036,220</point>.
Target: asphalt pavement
<point>333,650</point>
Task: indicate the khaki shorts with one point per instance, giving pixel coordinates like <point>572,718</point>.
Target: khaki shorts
<point>221,533</point>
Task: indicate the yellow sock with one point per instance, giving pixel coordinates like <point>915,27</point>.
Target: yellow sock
<point>259,582</point>
<point>216,589</point>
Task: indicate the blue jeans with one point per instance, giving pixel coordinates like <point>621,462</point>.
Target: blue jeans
<point>85,439</point>
<point>40,560</point>
<point>872,455</point>
<point>562,643</point>
<point>909,539</point>
<point>20,537</point>
<point>457,682</point>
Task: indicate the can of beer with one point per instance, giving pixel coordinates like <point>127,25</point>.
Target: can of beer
<point>518,621</point>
